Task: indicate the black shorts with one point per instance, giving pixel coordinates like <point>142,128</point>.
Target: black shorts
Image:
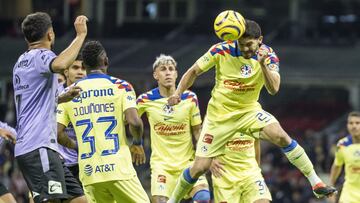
<point>3,189</point>
<point>75,171</point>
<point>47,177</point>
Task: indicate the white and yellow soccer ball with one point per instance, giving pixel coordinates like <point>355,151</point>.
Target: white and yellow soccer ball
<point>229,25</point>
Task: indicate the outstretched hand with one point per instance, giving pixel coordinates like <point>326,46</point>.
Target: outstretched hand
<point>137,154</point>
<point>217,168</point>
<point>7,135</point>
<point>174,99</point>
<point>262,55</point>
<point>80,25</point>
<point>74,91</point>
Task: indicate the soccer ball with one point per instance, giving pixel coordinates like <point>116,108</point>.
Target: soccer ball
<point>229,25</point>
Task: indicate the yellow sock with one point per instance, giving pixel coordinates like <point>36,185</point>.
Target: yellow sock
<point>298,157</point>
<point>184,184</point>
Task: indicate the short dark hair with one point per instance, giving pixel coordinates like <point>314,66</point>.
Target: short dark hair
<point>91,53</point>
<point>252,30</point>
<point>354,114</point>
<point>35,26</point>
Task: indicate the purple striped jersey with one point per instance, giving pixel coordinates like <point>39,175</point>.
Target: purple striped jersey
<point>35,92</point>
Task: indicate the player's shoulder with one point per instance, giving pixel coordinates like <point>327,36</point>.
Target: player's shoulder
<point>42,54</point>
<point>225,48</point>
<point>119,83</point>
<point>190,95</point>
<point>151,95</point>
<point>345,142</point>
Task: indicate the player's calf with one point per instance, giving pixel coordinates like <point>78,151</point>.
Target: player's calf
<point>201,165</point>
<point>275,134</point>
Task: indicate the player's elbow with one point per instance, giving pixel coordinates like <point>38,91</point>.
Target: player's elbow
<point>58,65</point>
<point>274,91</point>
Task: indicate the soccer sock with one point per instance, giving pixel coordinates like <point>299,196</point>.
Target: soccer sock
<point>183,186</point>
<point>298,157</point>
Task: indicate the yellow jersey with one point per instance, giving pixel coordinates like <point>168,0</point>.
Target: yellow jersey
<point>239,161</point>
<point>97,116</point>
<point>238,81</point>
<point>348,154</point>
<point>170,128</point>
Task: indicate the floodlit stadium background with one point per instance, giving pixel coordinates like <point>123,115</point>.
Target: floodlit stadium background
<point>316,41</point>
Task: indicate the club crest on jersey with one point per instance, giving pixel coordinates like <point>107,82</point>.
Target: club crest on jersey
<point>161,179</point>
<point>168,109</point>
<point>246,70</point>
<point>208,138</point>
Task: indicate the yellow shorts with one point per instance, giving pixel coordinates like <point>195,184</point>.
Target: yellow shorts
<point>349,195</point>
<point>116,191</point>
<point>163,182</point>
<point>246,191</point>
<point>215,134</point>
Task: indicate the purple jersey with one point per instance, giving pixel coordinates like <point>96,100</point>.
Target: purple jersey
<point>35,92</point>
<point>8,128</point>
<point>70,156</point>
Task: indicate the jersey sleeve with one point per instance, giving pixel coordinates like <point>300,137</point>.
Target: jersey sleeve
<point>195,117</point>
<point>339,157</point>
<point>272,61</point>
<point>62,115</point>
<point>129,98</point>
<point>140,106</point>
<point>44,61</point>
<point>208,60</point>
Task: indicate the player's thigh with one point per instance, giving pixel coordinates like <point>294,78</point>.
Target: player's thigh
<point>255,189</point>
<point>98,193</point>
<point>44,174</point>
<point>201,184</point>
<point>163,182</point>
<point>254,121</point>
<point>129,191</point>
<point>226,194</point>
<point>213,137</point>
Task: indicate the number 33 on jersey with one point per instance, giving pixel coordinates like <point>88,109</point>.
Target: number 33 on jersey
<point>98,119</point>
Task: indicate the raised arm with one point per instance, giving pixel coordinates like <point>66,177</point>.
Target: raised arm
<point>185,83</point>
<point>67,57</point>
<point>270,71</point>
